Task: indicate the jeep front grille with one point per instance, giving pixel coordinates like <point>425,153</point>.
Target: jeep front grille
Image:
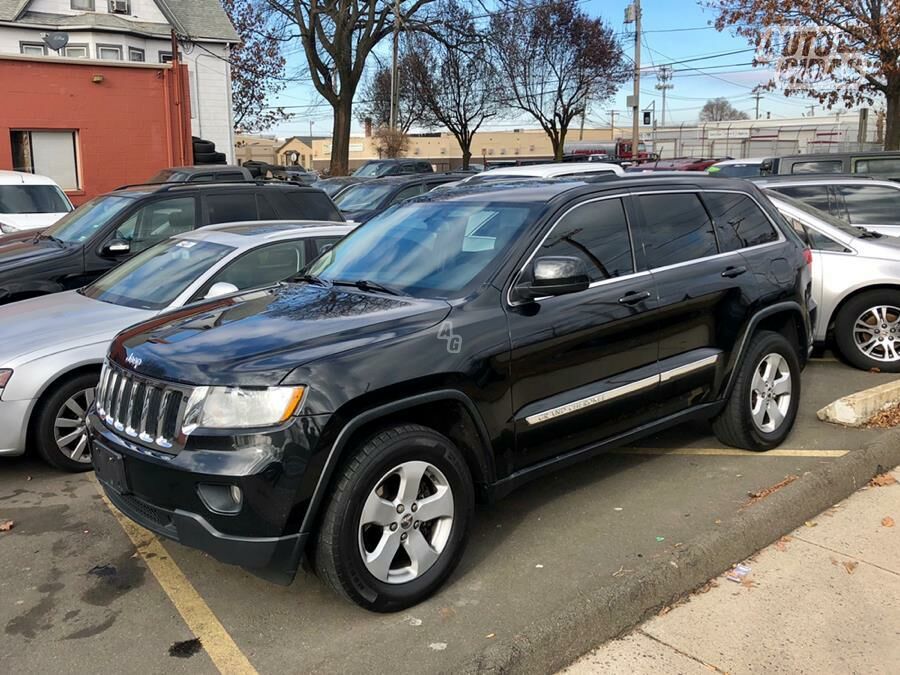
<point>148,410</point>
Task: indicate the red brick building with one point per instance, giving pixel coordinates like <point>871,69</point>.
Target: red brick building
<point>93,125</point>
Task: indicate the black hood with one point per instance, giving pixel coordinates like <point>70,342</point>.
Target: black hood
<point>259,338</point>
<point>24,248</point>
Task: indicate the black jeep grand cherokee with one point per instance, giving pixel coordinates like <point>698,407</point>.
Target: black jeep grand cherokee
<point>454,347</point>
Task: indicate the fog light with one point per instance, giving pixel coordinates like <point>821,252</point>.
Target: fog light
<point>224,499</point>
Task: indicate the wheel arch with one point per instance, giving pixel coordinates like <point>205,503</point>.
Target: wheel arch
<point>855,293</point>
<point>48,388</point>
<point>447,411</point>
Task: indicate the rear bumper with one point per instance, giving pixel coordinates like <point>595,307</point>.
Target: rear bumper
<point>13,427</point>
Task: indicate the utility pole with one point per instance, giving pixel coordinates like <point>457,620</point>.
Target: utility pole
<point>812,109</point>
<point>612,124</point>
<point>395,69</point>
<point>757,96</point>
<point>633,12</point>
<point>663,75</point>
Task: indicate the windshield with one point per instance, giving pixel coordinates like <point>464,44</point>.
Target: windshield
<point>33,199</point>
<point>373,169</point>
<point>827,218</point>
<point>434,249</point>
<point>735,170</point>
<point>153,279</point>
<point>78,225</point>
<point>363,197</point>
<point>330,187</point>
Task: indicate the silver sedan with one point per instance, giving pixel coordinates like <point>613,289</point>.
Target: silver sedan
<point>856,285</point>
<point>52,347</point>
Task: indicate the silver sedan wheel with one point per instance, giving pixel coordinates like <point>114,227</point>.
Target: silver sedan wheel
<point>69,426</point>
<point>876,333</point>
<point>405,522</point>
<point>770,393</point>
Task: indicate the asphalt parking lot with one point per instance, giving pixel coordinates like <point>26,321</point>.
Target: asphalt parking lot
<point>76,593</point>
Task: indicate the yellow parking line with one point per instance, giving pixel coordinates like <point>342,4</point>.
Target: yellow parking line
<point>729,452</point>
<point>223,651</point>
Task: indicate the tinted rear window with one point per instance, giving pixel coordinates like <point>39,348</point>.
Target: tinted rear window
<point>677,229</point>
<point>740,223</point>
<point>311,205</point>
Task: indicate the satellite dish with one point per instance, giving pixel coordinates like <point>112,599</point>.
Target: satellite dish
<point>56,40</point>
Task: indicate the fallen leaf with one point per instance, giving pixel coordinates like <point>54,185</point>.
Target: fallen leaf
<point>6,525</point>
<point>759,495</point>
<point>747,582</point>
<point>887,521</point>
<point>874,370</point>
<point>888,417</point>
<point>664,611</point>
<point>782,543</point>
<point>850,566</point>
<point>882,480</point>
<point>810,523</point>
<point>446,612</point>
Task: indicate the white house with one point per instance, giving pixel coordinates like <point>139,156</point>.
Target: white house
<point>140,31</point>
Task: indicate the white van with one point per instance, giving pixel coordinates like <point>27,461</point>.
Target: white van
<point>30,202</point>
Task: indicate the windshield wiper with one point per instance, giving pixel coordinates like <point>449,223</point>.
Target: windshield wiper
<point>869,234</point>
<point>369,286</point>
<point>309,278</point>
<point>40,236</point>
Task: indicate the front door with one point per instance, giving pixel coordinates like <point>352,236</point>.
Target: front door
<point>583,364</point>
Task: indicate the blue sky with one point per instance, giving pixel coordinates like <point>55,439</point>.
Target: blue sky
<point>674,30</point>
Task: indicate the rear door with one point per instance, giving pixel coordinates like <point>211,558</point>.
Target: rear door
<point>703,295</point>
<point>584,365</point>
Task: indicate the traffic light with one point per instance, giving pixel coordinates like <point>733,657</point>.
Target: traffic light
<point>646,117</point>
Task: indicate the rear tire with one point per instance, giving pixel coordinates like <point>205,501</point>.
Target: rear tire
<point>398,519</point>
<point>59,424</point>
<point>867,331</point>
<point>762,406</point>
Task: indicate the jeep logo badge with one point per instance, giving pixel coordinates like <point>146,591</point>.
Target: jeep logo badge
<point>134,361</point>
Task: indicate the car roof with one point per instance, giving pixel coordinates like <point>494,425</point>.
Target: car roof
<point>145,188</point>
<point>24,178</point>
<point>248,234</point>
<point>820,178</point>
<point>417,178</point>
<point>552,169</point>
<point>837,155</point>
<point>746,160</point>
<point>206,168</point>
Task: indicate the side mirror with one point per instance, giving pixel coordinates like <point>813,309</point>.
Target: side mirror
<point>116,247</point>
<point>219,289</point>
<point>553,275</point>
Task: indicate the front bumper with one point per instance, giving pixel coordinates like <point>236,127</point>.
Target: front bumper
<point>13,426</point>
<point>161,493</point>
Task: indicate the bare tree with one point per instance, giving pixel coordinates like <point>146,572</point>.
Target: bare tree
<point>451,73</point>
<point>337,37</point>
<point>556,60</point>
<point>719,109</point>
<point>376,98</point>
<point>390,143</point>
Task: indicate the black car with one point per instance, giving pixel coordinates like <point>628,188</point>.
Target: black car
<point>452,349</point>
<point>109,229</point>
<point>365,200</point>
<point>379,168</point>
<point>222,173</point>
<point>334,186</point>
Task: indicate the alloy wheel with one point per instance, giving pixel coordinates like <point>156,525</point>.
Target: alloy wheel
<point>770,392</point>
<point>406,522</point>
<point>876,333</point>
<point>69,426</point>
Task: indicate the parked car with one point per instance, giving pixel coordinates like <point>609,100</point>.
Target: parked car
<point>856,285</point>
<point>737,168</point>
<point>675,164</point>
<point>457,344</point>
<point>109,229</point>
<point>379,168</point>
<point>334,186</point>
<point>363,201</point>
<point>882,164</point>
<point>295,173</point>
<point>208,173</point>
<point>51,347</point>
<point>30,202</point>
<point>857,200</point>
<point>548,170</point>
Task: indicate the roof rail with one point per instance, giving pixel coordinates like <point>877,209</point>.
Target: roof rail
<point>171,185</point>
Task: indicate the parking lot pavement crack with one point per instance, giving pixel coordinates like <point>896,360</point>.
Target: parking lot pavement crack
<point>680,651</point>
<point>846,555</point>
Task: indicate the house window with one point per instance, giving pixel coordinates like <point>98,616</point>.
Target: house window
<point>76,51</point>
<point>135,54</point>
<point>109,52</point>
<point>48,153</point>
<point>165,57</point>
<point>119,6</point>
<point>33,48</point>
<point>85,5</point>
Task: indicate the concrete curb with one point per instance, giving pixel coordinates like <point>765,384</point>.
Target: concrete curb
<point>856,409</point>
<point>613,606</point>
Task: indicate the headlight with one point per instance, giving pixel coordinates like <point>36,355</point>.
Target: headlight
<point>6,228</point>
<point>240,408</point>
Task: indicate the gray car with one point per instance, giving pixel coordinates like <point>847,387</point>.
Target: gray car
<point>52,347</point>
<point>856,285</point>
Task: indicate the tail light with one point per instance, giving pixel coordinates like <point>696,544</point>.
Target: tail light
<point>807,256</point>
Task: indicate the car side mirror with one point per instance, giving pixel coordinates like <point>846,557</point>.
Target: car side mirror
<point>219,289</point>
<point>116,247</point>
<point>553,275</point>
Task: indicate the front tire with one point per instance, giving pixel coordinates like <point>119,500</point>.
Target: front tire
<point>398,519</point>
<point>762,407</point>
<point>59,427</point>
<point>867,331</point>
